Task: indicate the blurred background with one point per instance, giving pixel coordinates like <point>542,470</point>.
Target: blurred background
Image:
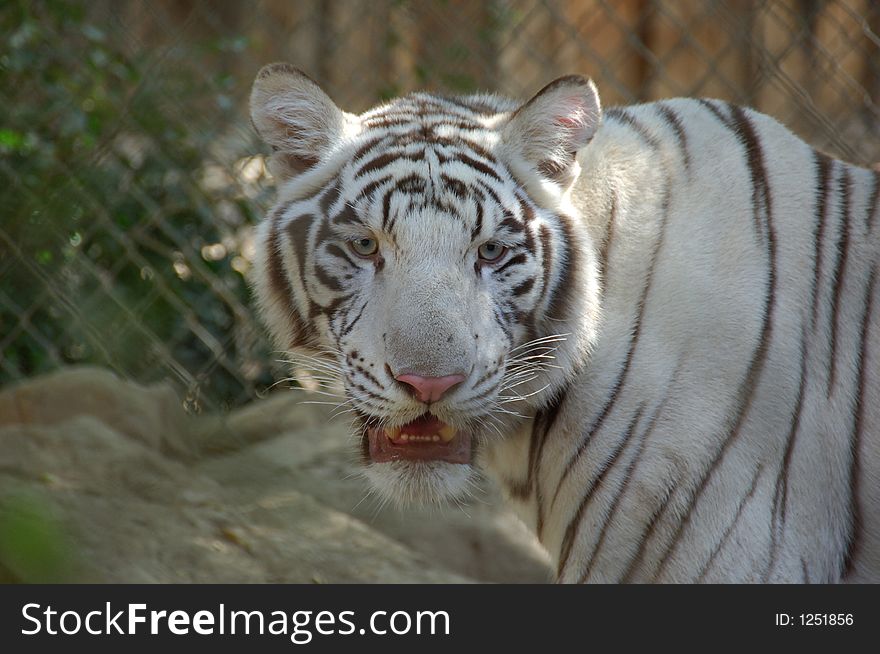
<point>130,177</point>
<point>130,182</point>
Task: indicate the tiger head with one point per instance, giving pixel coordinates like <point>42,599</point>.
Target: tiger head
<point>427,253</point>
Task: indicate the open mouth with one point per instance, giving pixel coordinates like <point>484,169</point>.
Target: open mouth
<point>427,438</point>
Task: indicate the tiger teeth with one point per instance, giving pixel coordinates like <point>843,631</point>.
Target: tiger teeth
<point>445,434</point>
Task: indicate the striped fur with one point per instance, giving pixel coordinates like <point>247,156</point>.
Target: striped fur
<point>705,283</point>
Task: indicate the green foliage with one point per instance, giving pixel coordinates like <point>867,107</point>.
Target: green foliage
<point>104,216</point>
<point>33,546</point>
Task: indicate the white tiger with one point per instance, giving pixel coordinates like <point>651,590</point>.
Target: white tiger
<point>658,327</point>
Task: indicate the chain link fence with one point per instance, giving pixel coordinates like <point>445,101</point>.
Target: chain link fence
<point>130,178</point>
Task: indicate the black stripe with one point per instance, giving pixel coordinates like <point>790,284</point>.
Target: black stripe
<point>671,483</point>
<point>479,166</point>
<point>498,314</point>
<point>623,375</point>
<point>328,199</point>
<point>346,215</point>
<point>758,175</point>
<point>528,212</point>
<point>386,207</point>
<point>858,431</point>
<point>674,122</point>
<point>839,271</point>
<point>609,462</point>
<point>647,534</point>
<point>513,261</point>
<point>457,187</point>
<point>606,244</point>
<point>434,122</point>
<point>389,121</point>
<point>455,145</point>
<point>482,109</point>
<point>366,373</point>
<point>549,416</point>
<point>443,106</point>
<point>473,401</point>
<point>336,251</point>
<point>489,375</point>
<point>541,425</point>
<point>625,118</point>
<point>761,197</point>
<point>280,285</point>
<point>387,158</point>
<point>779,508</point>
<point>488,190</point>
<point>823,174</point>
<point>512,224</point>
<point>363,389</point>
<point>478,217</point>
<point>546,262</point>
<point>729,530</point>
<point>331,309</point>
<point>413,183</point>
<point>627,477</point>
<point>326,278</point>
<point>568,264</point>
<point>524,288</point>
<point>367,191</point>
<point>708,104</point>
<point>394,112</point>
<point>366,147</point>
<point>347,329</point>
<point>529,240</point>
<point>474,147</point>
<point>298,232</point>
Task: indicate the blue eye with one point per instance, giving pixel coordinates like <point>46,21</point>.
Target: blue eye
<point>491,251</point>
<point>364,247</point>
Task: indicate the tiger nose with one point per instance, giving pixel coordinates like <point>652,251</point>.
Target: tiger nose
<point>430,389</point>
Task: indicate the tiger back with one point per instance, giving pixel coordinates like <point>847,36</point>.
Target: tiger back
<point>657,327</point>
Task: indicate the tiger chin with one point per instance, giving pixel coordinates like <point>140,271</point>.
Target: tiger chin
<point>657,327</point>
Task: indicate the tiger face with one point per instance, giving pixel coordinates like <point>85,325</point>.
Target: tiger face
<point>424,253</point>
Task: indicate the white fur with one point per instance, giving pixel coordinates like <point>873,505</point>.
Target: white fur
<point>687,251</point>
<point>427,483</point>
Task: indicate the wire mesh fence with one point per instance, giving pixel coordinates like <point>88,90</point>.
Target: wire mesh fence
<point>130,178</point>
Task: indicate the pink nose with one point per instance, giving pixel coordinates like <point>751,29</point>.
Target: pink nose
<point>430,389</point>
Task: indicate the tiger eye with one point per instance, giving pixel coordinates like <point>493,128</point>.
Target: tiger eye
<point>364,247</point>
<point>491,251</point>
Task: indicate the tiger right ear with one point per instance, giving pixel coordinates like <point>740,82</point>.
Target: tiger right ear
<point>548,131</point>
<point>293,115</point>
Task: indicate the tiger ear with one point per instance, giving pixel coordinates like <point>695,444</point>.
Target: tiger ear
<point>293,115</point>
<point>548,131</point>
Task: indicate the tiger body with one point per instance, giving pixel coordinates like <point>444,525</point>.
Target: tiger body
<point>712,435</point>
<point>671,370</point>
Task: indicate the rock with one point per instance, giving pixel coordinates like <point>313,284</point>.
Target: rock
<point>141,492</point>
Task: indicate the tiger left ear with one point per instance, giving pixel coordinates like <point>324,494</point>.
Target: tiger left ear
<point>294,115</point>
<point>548,131</point>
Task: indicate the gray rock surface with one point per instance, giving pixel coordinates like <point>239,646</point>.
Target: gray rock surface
<point>104,480</point>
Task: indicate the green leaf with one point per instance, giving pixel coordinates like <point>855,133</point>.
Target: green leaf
<point>32,544</point>
<point>10,139</point>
